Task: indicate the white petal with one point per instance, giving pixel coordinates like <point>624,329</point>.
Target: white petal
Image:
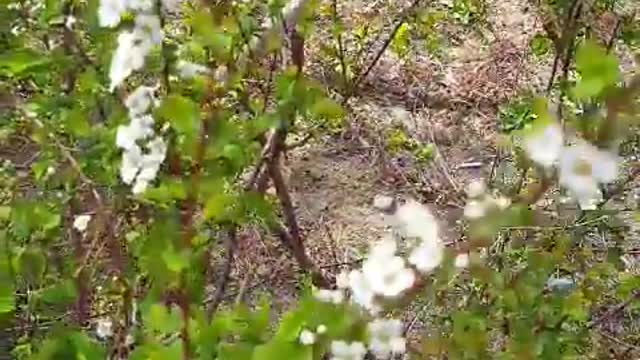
<point>81,222</point>
<point>544,146</point>
<point>426,257</point>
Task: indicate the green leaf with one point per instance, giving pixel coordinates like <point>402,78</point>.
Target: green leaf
<point>277,350</point>
<point>5,212</point>
<point>159,318</point>
<point>32,265</point>
<point>7,299</point>
<point>208,35</point>
<point>181,112</point>
<point>176,261</point>
<point>400,43</point>
<point>77,123</point>
<point>63,292</point>
<point>216,207</point>
<point>326,108</point>
<point>18,61</point>
<point>598,70</point>
<point>237,351</point>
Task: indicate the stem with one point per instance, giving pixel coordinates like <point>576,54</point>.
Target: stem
<point>231,244</point>
<point>341,52</point>
<point>381,51</point>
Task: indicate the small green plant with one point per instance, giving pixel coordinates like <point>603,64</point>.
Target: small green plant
<point>516,114</point>
<point>469,12</point>
<point>540,45</point>
<point>424,153</point>
<point>397,140</point>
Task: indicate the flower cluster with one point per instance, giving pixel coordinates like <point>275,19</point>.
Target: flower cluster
<point>582,167</point>
<point>134,44</point>
<point>481,201</point>
<point>386,275</point>
<point>140,168</point>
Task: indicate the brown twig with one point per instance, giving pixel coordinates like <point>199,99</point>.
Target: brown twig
<point>616,310</point>
<point>568,36</point>
<point>361,76</point>
<point>225,271</point>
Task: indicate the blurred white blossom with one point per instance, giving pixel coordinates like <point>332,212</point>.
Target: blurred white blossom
<point>321,329</point>
<point>104,328</point>
<point>476,188</point>
<point>128,57</point>
<point>461,261</point>
<point>386,337</point>
<point>342,280</point>
<point>544,145</point>
<point>341,350</point>
<point>307,337</point>
<point>329,296</point>
<point>385,272</point>
<point>110,11</point>
<point>427,256</point>
<point>361,291</point>
<point>140,100</point>
<point>188,70</point>
<point>582,168</point>
<point>81,222</point>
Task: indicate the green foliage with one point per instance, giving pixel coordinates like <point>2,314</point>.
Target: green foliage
<point>598,71</point>
<point>517,114</point>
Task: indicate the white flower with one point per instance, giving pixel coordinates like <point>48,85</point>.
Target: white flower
<point>387,275</point>
<point>128,57</point>
<point>329,296</point>
<point>81,222</point>
<point>307,337</point>
<point>501,202</point>
<point>104,328</point>
<point>148,26</point>
<point>341,350</point>
<point>321,329</point>
<point>386,337</point>
<point>427,256</point>
<point>475,209</point>
<point>150,164</point>
<point>51,170</point>
<point>544,145</point>
<point>140,186</point>
<point>138,129</point>
<point>476,188</point>
<point>342,280</point>
<point>383,249</point>
<point>131,163</point>
<point>110,11</point>
<point>140,100</point>
<point>462,261</point>
<point>415,220</point>
<point>141,5</point>
<point>582,168</point>
<point>69,21</point>
<point>188,70</point>
<point>361,291</point>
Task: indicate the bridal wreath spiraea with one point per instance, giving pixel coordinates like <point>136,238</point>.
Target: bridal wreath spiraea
<point>582,167</point>
<point>385,274</point>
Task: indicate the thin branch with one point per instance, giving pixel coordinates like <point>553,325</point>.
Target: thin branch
<point>405,15</point>
<point>225,271</point>
<point>616,310</point>
<point>341,51</point>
